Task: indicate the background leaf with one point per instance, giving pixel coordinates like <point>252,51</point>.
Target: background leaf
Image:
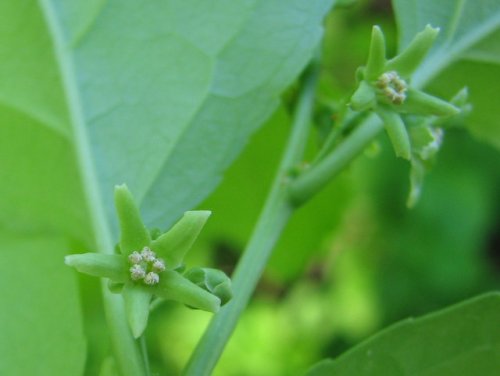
<point>460,340</point>
<point>466,47</point>
<point>40,317</point>
<point>43,193</point>
<point>168,92</point>
<point>161,95</point>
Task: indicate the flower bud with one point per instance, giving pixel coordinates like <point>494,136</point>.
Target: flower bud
<point>137,272</point>
<point>148,255</point>
<point>212,280</point>
<point>135,257</point>
<point>151,278</point>
<point>158,265</point>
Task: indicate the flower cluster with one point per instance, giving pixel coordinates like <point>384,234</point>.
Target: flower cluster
<point>145,266</point>
<point>384,88</point>
<point>136,272</point>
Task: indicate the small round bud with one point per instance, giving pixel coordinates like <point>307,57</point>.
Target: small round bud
<point>398,98</point>
<point>151,278</point>
<point>135,257</point>
<point>158,265</point>
<point>148,255</point>
<point>137,272</point>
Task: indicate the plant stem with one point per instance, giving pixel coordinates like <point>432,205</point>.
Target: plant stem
<point>312,181</point>
<point>126,349</point>
<point>274,216</point>
<point>144,351</point>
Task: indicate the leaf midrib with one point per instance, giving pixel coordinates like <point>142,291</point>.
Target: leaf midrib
<point>80,137</point>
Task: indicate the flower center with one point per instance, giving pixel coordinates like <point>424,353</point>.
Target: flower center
<point>145,266</point>
<point>393,87</point>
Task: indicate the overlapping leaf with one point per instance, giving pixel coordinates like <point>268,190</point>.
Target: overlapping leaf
<point>461,340</point>
<point>40,318</point>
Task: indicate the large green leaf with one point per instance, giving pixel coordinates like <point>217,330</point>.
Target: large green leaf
<point>461,340</point>
<point>41,188</point>
<point>468,45</point>
<point>161,95</point>
<point>40,323</point>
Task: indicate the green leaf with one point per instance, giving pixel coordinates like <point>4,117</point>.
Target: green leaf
<point>466,52</point>
<point>81,110</point>
<point>482,121</point>
<point>40,318</point>
<point>168,120</point>
<point>461,340</point>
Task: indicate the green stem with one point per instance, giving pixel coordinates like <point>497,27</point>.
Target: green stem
<point>127,352</point>
<point>144,352</point>
<point>346,120</point>
<point>275,214</point>
<point>312,181</point>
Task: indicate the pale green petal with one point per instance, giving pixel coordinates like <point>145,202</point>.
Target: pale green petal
<point>113,267</point>
<point>397,132</point>
<point>133,234</point>
<point>412,56</point>
<point>137,299</point>
<point>363,98</point>
<point>419,103</point>
<point>376,57</point>
<point>174,286</point>
<point>175,243</point>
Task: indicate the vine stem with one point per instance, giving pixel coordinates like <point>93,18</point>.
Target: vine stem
<point>273,218</point>
<point>312,181</point>
<point>287,194</point>
<point>127,352</point>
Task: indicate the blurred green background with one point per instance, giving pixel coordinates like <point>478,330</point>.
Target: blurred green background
<point>353,260</point>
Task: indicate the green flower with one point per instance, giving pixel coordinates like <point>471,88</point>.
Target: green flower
<point>147,267</point>
<point>384,87</point>
<point>426,135</point>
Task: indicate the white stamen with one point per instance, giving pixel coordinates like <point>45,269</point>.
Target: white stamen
<point>158,265</point>
<point>148,255</point>
<point>137,272</point>
<point>135,257</point>
<point>151,278</point>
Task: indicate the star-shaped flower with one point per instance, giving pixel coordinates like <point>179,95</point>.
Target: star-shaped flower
<point>148,267</point>
<point>384,87</point>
